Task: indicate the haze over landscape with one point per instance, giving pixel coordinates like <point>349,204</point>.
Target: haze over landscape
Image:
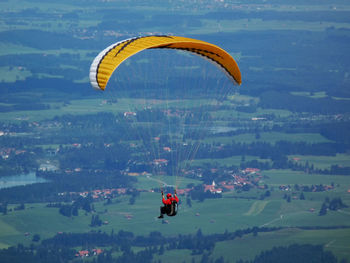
<point>262,169</point>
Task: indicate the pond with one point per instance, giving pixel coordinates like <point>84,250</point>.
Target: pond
<point>17,180</point>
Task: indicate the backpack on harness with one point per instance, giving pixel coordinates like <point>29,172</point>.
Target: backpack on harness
<point>171,210</point>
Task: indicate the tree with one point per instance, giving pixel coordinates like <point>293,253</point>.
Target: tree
<point>3,208</point>
<point>188,201</point>
<point>323,210</point>
<point>95,221</point>
<point>288,199</point>
<point>36,238</point>
<point>336,204</point>
<point>75,211</point>
<point>161,250</point>
<point>257,136</point>
<point>199,234</point>
<point>220,260</point>
<point>132,200</point>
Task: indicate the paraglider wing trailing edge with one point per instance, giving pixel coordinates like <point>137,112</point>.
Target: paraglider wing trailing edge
<point>111,57</point>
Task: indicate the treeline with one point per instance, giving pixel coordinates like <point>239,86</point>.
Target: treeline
<point>43,254</point>
<point>140,20</point>
<point>95,156</point>
<point>24,107</point>
<point>309,16</point>
<point>331,204</point>
<point>284,163</point>
<point>337,131</point>
<point>20,254</point>
<point>125,240</point>
<point>333,130</point>
<point>17,164</point>
<point>72,209</point>
<point>282,100</point>
<point>295,253</point>
<point>70,88</point>
<point>270,151</point>
<point>49,40</point>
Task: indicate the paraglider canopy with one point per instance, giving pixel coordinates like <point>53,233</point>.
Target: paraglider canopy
<point>111,57</point>
<point>165,102</point>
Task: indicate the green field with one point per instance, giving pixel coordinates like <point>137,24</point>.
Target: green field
<point>248,246</point>
<point>230,161</point>
<point>93,106</point>
<point>273,137</point>
<point>211,216</point>
<point>258,24</point>
<point>289,177</point>
<point>323,162</point>
<point>13,74</point>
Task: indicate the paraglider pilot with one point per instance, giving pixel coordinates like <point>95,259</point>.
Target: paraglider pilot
<point>170,205</point>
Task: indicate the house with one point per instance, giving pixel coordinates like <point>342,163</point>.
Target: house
<point>258,119</point>
<point>97,251</point>
<point>167,149</point>
<point>183,191</point>
<point>133,174</point>
<point>121,190</point>
<point>212,188</point>
<point>129,113</point>
<point>160,161</point>
<point>251,170</point>
<point>227,186</point>
<point>87,253</point>
<point>82,253</point>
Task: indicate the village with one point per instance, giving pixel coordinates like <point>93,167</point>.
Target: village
<point>248,177</point>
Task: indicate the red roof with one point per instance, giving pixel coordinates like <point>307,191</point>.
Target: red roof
<point>83,253</point>
<point>97,251</point>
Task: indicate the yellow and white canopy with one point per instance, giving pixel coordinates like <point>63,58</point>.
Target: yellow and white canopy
<point>111,57</point>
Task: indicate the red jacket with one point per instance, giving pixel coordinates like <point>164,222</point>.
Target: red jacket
<point>170,200</point>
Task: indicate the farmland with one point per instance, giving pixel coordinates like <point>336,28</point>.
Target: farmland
<point>257,166</point>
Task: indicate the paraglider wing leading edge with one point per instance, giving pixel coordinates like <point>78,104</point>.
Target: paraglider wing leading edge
<point>111,57</point>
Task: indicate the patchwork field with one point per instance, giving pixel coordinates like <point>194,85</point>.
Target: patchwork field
<point>211,216</point>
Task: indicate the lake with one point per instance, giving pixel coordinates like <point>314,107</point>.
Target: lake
<point>17,180</point>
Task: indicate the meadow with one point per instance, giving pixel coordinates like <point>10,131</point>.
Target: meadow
<point>323,162</point>
<point>229,213</point>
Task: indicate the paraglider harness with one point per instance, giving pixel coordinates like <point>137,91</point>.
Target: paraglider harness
<point>169,210</point>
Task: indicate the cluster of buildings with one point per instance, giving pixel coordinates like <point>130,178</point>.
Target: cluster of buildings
<point>247,177</point>
<point>5,153</point>
<point>99,194</point>
<point>89,253</point>
<point>312,188</point>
